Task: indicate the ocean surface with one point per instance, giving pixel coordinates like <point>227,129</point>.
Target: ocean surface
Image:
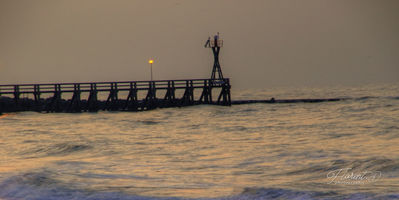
<point>333,150</point>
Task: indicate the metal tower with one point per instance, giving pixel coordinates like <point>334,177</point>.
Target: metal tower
<point>215,45</point>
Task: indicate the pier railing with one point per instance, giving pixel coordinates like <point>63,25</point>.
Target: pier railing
<point>55,103</point>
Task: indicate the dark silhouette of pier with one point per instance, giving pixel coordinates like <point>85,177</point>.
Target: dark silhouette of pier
<point>11,100</point>
<point>137,95</point>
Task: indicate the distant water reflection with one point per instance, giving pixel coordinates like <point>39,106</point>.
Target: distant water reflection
<point>241,152</point>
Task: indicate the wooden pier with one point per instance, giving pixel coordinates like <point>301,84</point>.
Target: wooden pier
<point>155,94</point>
<point>129,95</point>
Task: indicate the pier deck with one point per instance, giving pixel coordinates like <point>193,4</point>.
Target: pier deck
<point>31,100</point>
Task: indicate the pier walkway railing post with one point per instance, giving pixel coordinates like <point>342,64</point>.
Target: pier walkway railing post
<point>36,95</point>
<point>16,96</point>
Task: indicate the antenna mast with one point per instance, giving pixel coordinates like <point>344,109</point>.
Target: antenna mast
<point>215,44</point>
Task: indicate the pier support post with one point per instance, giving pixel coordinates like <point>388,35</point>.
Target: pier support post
<point>170,97</point>
<point>206,96</point>
<point>92,101</point>
<point>225,96</point>
<point>36,94</point>
<point>188,97</point>
<point>55,102</point>
<point>112,100</point>
<point>150,101</point>
<point>75,104</point>
<point>16,96</point>
<point>131,101</point>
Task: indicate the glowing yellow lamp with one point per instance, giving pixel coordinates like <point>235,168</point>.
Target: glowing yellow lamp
<point>151,61</point>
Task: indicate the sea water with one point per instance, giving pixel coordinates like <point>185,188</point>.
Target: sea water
<point>333,150</point>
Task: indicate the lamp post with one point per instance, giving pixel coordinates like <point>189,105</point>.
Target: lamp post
<point>150,62</point>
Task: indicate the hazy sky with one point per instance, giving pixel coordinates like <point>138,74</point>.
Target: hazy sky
<point>266,42</point>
